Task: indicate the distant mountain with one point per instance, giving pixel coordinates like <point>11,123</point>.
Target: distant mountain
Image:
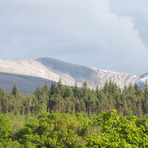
<point>28,73</point>
<point>93,76</point>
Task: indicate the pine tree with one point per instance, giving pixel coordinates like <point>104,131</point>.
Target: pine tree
<point>37,92</point>
<point>53,89</point>
<point>76,91</point>
<point>44,90</point>
<point>15,91</point>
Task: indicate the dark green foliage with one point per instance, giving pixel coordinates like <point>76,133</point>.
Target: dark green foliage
<point>15,91</point>
<point>37,92</point>
<point>65,99</point>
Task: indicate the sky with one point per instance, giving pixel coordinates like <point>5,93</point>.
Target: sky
<point>106,34</point>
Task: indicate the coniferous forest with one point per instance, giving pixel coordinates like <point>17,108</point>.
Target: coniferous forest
<point>74,117</point>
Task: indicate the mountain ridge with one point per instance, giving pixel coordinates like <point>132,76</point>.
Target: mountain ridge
<point>53,69</point>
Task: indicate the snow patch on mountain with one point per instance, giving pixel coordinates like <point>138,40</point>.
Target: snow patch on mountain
<point>143,79</point>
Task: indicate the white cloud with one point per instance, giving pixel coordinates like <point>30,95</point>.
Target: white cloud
<point>72,29</point>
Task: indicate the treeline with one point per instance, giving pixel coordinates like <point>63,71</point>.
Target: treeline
<point>61,130</point>
<point>65,99</point>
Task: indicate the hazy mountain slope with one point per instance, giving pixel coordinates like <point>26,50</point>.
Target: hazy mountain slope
<point>121,79</point>
<point>26,67</point>
<point>33,68</point>
<point>52,69</point>
<point>26,84</point>
<point>93,76</point>
<point>58,66</point>
<point>74,72</point>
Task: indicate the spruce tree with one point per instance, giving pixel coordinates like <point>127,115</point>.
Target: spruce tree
<point>15,91</point>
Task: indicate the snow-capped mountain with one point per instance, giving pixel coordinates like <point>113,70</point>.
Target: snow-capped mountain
<point>143,79</point>
<point>32,72</point>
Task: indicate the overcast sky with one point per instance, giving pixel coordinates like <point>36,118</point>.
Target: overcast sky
<point>107,34</point>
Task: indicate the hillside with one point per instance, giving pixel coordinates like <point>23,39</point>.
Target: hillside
<point>26,84</point>
<point>32,72</point>
<point>93,76</point>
